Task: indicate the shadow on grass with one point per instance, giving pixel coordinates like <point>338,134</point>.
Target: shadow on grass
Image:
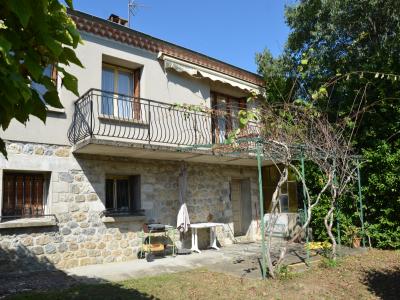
<point>384,284</point>
<point>24,275</point>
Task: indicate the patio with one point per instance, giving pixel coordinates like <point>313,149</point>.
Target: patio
<point>240,259</point>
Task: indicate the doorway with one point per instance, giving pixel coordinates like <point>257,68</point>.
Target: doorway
<point>241,205</point>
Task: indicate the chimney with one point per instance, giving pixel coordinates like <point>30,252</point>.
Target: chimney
<point>116,19</point>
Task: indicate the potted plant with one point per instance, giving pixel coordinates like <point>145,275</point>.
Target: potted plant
<point>354,234</point>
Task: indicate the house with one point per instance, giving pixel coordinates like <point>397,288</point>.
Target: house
<point>77,190</point>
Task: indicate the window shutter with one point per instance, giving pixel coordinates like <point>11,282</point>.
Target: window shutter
<point>8,195</point>
<point>136,94</point>
<point>229,103</point>
<point>242,104</point>
<point>23,194</point>
<point>38,182</point>
<point>214,127</point>
<point>134,185</point>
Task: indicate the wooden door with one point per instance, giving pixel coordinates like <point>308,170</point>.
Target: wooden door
<point>241,205</point>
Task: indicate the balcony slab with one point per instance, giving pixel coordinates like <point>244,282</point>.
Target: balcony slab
<point>119,148</point>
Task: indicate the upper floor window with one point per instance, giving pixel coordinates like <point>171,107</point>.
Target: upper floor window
<point>51,72</point>
<point>121,92</point>
<point>226,110</point>
<point>23,194</point>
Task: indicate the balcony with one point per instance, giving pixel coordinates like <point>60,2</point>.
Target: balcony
<point>113,124</point>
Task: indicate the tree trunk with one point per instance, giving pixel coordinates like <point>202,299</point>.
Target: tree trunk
<point>328,220</point>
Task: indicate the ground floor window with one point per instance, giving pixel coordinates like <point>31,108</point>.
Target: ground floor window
<point>123,193</point>
<point>23,194</point>
<point>288,195</point>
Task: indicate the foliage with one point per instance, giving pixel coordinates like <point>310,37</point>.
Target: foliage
<point>329,263</point>
<point>342,55</point>
<point>284,273</point>
<point>33,36</point>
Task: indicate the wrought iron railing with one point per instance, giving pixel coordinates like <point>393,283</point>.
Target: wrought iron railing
<point>103,114</point>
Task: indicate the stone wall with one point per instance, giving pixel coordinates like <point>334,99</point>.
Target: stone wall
<point>76,195</point>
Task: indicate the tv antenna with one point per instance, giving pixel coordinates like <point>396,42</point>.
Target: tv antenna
<point>133,6</point>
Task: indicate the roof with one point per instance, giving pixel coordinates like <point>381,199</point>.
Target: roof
<point>104,28</point>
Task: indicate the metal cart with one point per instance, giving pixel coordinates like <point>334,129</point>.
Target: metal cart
<point>156,239</point>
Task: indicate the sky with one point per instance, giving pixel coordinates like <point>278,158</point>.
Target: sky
<point>229,30</point>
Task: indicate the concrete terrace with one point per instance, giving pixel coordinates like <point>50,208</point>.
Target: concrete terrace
<point>240,259</point>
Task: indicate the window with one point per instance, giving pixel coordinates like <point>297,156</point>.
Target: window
<point>51,72</point>
<point>123,193</point>
<point>121,92</point>
<point>226,115</point>
<point>288,200</point>
<point>23,194</point>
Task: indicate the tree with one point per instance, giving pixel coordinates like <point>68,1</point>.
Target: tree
<point>343,53</point>
<point>33,36</point>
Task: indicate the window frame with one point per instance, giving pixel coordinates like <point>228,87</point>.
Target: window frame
<point>45,193</point>
<point>135,75</point>
<point>218,135</point>
<point>288,188</point>
<point>132,203</point>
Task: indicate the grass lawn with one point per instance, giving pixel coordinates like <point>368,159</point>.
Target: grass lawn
<point>373,275</point>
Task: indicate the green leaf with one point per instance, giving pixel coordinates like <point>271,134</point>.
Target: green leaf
<point>52,99</point>
<point>5,45</point>
<point>37,107</point>
<point>74,34</point>
<point>69,3</point>
<point>53,45</point>
<point>71,56</point>
<point>22,9</point>
<point>304,61</point>
<point>71,83</point>
<point>33,67</point>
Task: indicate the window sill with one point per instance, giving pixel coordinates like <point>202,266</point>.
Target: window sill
<point>51,109</point>
<point>123,219</point>
<point>28,222</point>
<point>113,118</point>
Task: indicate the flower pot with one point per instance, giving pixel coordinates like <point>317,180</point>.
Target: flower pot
<point>356,242</point>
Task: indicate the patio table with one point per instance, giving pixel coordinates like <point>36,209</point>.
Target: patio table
<point>213,235</point>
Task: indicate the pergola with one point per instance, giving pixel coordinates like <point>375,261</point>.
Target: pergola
<point>255,147</point>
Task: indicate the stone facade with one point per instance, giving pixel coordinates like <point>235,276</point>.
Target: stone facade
<point>76,196</point>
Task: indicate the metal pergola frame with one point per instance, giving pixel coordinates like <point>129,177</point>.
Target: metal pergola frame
<point>258,150</point>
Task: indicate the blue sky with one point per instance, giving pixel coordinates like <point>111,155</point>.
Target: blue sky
<point>229,30</point>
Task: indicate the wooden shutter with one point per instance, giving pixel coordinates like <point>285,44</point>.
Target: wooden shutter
<point>228,116</point>
<point>23,194</point>
<point>8,195</point>
<point>54,74</point>
<point>242,104</point>
<point>136,94</point>
<point>37,203</point>
<point>214,119</point>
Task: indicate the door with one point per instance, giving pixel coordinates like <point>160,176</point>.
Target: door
<point>241,205</point>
